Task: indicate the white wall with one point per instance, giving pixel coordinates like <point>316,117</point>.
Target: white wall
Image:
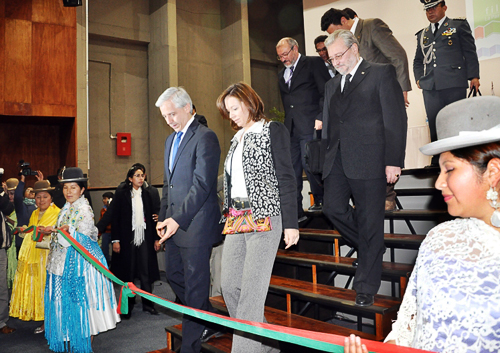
<point>405,18</point>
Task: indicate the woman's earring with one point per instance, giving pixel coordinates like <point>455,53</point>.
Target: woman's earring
<point>492,195</point>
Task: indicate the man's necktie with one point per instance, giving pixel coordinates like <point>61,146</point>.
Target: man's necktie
<point>176,147</point>
<point>346,82</point>
<point>289,81</point>
<point>436,26</point>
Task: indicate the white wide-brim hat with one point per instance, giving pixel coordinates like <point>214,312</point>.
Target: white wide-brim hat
<point>467,122</point>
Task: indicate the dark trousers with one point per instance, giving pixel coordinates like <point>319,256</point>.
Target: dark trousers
<point>363,226</point>
<point>188,272</point>
<point>298,152</point>
<point>140,265</point>
<point>436,100</point>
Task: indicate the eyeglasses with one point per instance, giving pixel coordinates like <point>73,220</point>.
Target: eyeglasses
<point>320,50</point>
<point>279,57</point>
<point>339,56</point>
<point>139,175</point>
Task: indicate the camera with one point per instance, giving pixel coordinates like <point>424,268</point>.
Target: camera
<point>25,169</point>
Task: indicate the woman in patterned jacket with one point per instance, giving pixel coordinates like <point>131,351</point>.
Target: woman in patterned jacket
<point>260,202</point>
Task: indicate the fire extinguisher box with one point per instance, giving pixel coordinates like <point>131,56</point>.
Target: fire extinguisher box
<point>123,144</point>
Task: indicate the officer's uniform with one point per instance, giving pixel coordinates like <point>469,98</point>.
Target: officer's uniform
<point>443,65</point>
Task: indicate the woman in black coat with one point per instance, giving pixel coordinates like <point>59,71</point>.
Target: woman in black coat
<point>133,235</point>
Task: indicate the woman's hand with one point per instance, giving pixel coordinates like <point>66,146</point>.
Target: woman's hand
<point>155,217</point>
<point>157,245</point>
<point>291,237</point>
<point>116,247</point>
<point>64,228</point>
<point>48,229</point>
<point>352,344</point>
<point>4,186</point>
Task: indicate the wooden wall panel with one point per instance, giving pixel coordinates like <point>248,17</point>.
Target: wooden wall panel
<point>54,110</point>
<point>18,65</point>
<point>20,10</point>
<point>53,12</point>
<point>2,60</point>
<point>54,48</point>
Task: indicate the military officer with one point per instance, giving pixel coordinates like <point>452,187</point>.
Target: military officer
<point>445,60</point>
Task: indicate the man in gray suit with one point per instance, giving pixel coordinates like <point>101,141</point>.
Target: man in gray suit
<point>377,45</point>
<point>445,59</point>
<point>189,214</point>
<point>364,139</point>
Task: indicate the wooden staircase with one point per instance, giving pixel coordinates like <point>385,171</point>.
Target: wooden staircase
<point>304,278</point>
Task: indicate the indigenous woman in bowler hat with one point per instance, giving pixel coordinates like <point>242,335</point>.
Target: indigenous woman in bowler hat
<point>79,301</point>
<point>452,300</point>
<point>27,300</point>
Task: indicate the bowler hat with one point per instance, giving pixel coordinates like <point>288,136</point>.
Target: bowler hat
<point>430,3</point>
<point>42,185</point>
<point>467,122</point>
<point>12,184</point>
<point>72,174</point>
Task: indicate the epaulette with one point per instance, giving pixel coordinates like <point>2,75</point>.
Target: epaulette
<point>420,31</point>
<point>459,19</point>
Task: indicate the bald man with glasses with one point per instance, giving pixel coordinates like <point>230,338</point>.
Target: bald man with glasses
<point>302,84</point>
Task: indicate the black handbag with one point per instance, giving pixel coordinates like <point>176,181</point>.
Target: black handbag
<point>473,92</point>
<point>314,155</point>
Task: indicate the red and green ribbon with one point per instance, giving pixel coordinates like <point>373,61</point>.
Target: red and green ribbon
<point>316,340</point>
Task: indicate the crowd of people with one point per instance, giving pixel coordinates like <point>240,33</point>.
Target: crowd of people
<point>353,97</point>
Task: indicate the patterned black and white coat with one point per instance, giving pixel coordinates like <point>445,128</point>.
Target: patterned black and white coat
<point>268,173</point>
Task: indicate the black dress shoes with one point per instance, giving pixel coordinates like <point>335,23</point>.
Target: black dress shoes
<point>364,299</point>
<point>316,207</point>
<point>209,333</point>
<point>126,316</point>
<point>150,310</point>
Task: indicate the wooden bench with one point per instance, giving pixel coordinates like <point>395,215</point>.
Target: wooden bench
<point>390,270</point>
<point>383,311</point>
<point>273,316</point>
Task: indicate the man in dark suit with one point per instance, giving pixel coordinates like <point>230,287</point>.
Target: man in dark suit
<point>364,137</point>
<point>445,59</point>
<point>302,83</point>
<point>377,45</point>
<point>189,214</point>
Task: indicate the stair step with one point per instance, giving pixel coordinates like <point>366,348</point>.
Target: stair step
<point>390,270</point>
<point>384,309</point>
<point>400,241</point>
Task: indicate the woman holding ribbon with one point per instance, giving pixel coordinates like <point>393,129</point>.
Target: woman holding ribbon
<point>27,300</point>
<point>451,302</point>
<point>260,202</point>
<point>79,301</point>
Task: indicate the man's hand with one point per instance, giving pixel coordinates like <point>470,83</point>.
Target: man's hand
<point>318,125</point>
<point>116,247</point>
<point>4,186</point>
<point>407,103</point>
<point>418,84</point>
<point>291,237</point>
<point>392,174</point>
<point>157,245</point>
<point>171,228</point>
<point>475,83</point>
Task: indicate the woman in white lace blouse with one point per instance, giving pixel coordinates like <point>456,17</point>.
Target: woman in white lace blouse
<point>452,302</point>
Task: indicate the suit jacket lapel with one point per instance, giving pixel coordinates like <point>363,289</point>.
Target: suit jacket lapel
<point>361,73</point>
<point>359,29</point>
<point>184,142</point>
<point>297,70</point>
<point>168,146</point>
